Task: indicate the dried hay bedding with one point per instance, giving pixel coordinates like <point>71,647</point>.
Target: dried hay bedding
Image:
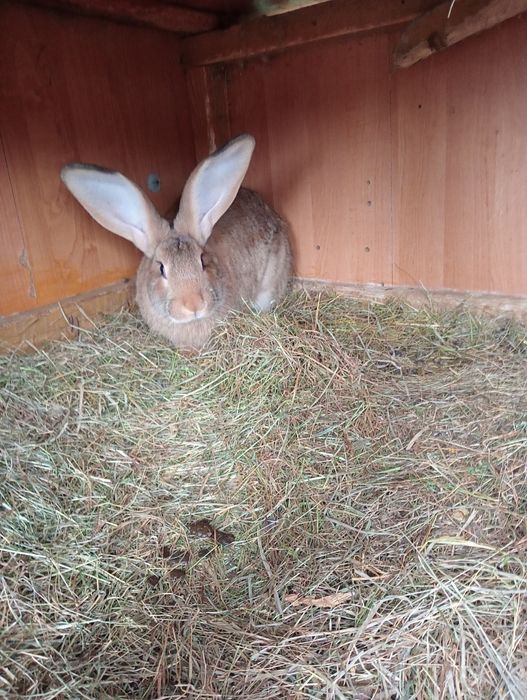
<point>369,461</point>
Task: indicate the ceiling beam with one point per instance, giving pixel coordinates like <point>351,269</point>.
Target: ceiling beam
<point>449,23</point>
<point>156,13</point>
<point>277,7</point>
<point>330,19</point>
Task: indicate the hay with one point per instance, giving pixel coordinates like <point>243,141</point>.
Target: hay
<point>369,459</point>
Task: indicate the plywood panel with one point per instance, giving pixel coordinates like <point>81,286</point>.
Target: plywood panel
<point>249,111</point>
<point>82,89</point>
<point>410,177</point>
<point>419,167</point>
<point>24,331</point>
<point>508,246</point>
<point>16,280</point>
<point>322,120</point>
<point>470,207</point>
<point>460,165</point>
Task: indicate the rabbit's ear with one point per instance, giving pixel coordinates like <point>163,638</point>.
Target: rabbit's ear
<point>212,187</point>
<point>115,203</point>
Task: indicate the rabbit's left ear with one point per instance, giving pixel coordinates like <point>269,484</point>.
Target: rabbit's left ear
<point>212,187</point>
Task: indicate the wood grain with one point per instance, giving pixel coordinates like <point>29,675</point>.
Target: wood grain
<point>80,89</point>
<point>460,166</point>
<point>64,319</point>
<point>323,146</point>
<point>277,7</point>
<point>153,13</point>
<point>15,279</point>
<point>208,104</point>
<point>412,177</point>
<point>419,176</point>
<point>493,305</point>
<point>449,23</point>
<point>329,20</point>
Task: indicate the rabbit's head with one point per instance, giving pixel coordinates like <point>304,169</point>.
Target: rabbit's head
<point>182,280</point>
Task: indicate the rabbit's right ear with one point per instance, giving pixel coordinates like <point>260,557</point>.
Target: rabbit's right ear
<point>212,187</point>
<point>115,203</point>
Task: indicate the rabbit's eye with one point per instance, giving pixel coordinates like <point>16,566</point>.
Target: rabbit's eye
<point>162,270</point>
<point>203,263</point>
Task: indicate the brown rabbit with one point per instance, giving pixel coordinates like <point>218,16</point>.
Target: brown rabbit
<point>225,249</point>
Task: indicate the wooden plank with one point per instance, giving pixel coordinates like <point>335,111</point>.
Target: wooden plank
<point>277,7</point>
<point>64,319</point>
<point>268,34</point>
<point>460,166</point>
<point>282,141</point>
<point>160,15</point>
<point>485,213</point>
<point>200,107</point>
<point>208,101</point>
<point>449,23</point>
<point>129,112</point>
<point>22,332</point>
<point>219,106</point>
<point>323,151</point>
<point>446,167</point>
<point>16,270</point>
<point>251,114</point>
<point>419,175</point>
<point>496,305</point>
<point>508,240</point>
<point>352,210</point>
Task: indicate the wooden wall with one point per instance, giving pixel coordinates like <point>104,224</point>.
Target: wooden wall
<point>73,88</point>
<point>409,177</point>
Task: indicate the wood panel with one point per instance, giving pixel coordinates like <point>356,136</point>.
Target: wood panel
<point>410,177</point>
<point>16,279</point>
<point>322,121</point>
<point>154,13</point>
<point>413,177</point>
<point>460,166</point>
<point>208,104</point>
<point>419,171</point>
<point>451,22</point>
<point>482,303</point>
<point>79,89</point>
<point>66,318</point>
<point>310,24</point>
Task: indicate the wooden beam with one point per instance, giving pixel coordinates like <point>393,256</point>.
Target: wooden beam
<point>156,13</point>
<point>478,302</point>
<point>30,329</point>
<point>268,34</point>
<point>278,7</point>
<point>65,319</point>
<point>449,23</point>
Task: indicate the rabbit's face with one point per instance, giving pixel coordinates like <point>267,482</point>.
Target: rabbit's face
<point>183,280</point>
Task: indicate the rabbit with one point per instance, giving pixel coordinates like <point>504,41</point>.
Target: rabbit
<point>225,249</point>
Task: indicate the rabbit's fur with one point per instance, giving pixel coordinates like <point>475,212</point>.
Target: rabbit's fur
<point>225,249</point>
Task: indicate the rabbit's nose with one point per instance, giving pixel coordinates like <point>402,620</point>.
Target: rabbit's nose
<point>193,303</point>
